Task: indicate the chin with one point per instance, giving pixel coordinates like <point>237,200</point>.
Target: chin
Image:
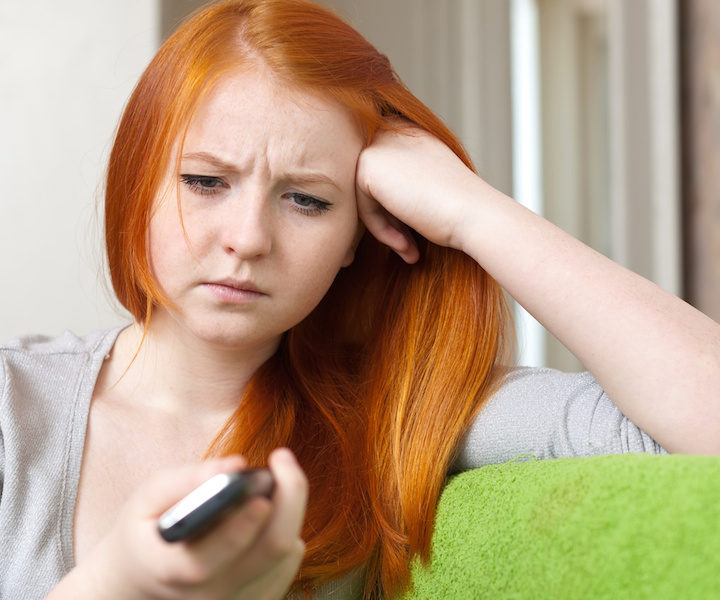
<point>234,336</point>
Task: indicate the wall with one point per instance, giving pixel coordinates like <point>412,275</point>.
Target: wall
<point>67,69</point>
<point>72,68</point>
<point>455,57</point>
<point>700,31</point>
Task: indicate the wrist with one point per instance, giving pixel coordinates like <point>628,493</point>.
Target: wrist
<point>474,202</point>
<point>77,585</point>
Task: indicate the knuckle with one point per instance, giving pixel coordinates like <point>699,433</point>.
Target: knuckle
<point>280,546</point>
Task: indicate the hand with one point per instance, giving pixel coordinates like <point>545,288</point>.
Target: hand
<point>643,345</point>
<point>252,553</point>
<point>409,179</point>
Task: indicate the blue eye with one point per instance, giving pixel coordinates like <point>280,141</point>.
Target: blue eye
<point>203,184</point>
<point>307,205</point>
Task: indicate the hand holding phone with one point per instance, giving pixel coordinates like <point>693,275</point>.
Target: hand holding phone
<point>206,504</point>
<point>258,553</point>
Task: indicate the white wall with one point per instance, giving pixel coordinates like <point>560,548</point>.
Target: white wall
<point>66,70</point>
<point>455,57</point>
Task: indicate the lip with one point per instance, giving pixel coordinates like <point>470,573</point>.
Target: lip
<point>234,291</point>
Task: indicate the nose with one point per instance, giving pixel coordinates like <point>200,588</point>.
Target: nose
<point>247,226</point>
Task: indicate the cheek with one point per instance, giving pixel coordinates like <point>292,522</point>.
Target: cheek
<point>166,241</point>
<point>318,255</point>
<point>324,258</point>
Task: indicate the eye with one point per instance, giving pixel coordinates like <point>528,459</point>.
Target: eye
<point>307,205</point>
<point>203,184</point>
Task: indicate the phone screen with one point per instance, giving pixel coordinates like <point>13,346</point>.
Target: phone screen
<point>205,505</point>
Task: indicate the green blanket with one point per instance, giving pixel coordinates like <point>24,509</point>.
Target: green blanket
<point>623,526</point>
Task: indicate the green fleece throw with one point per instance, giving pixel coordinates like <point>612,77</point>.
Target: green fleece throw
<point>623,526</point>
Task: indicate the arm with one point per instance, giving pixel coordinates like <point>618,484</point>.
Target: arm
<point>549,414</point>
<point>656,356</point>
<point>253,553</point>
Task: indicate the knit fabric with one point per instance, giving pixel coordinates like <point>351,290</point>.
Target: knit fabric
<point>46,385</point>
<point>608,527</point>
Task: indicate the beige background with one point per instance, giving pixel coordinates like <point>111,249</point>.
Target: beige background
<point>602,81</point>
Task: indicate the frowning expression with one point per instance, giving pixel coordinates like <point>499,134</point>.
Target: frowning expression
<point>266,186</point>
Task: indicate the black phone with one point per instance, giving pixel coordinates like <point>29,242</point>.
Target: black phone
<point>205,505</point>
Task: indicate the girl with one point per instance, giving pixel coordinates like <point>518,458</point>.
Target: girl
<point>315,276</point>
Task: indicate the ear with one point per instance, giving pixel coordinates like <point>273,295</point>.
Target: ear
<point>350,256</point>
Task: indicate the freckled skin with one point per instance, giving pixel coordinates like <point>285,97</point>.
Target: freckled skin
<point>255,144</point>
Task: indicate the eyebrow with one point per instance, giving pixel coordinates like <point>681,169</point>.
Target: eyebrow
<point>312,177</point>
<point>299,177</point>
<point>210,159</point>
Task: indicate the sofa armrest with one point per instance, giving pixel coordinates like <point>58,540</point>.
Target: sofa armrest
<point>619,526</point>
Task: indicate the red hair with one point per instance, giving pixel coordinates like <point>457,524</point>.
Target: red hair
<point>376,388</point>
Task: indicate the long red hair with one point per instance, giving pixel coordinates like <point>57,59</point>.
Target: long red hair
<point>375,389</point>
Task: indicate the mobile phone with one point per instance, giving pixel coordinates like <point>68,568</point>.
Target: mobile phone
<point>206,504</point>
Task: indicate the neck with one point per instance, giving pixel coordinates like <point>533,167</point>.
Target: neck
<point>174,371</point>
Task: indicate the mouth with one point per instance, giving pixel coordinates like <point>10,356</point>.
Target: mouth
<point>234,291</point>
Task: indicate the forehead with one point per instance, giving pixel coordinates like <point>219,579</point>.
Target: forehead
<point>250,116</point>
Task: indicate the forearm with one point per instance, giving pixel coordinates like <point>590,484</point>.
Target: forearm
<point>656,356</point>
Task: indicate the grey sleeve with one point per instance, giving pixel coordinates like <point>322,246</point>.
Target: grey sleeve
<point>550,414</point>
<point>2,464</point>
<point>3,393</point>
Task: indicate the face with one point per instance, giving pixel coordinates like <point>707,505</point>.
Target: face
<point>266,187</point>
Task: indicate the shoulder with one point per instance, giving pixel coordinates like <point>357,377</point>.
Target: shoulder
<point>525,413</point>
<point>543,392</point>
<point>65,343</point>
<point>37,360</point>
<point>46,386</point>
<point>41,349</point>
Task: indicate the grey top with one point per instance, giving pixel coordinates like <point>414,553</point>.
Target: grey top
<point>45,390</point>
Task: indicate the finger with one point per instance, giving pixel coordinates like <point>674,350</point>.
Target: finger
<point>386,228</point>
<point>163,561</point>
<point>289,502</point>
<point>262,533</point>
<point>281,533</point>
<point>273,582</point>
<point>228,541</point>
